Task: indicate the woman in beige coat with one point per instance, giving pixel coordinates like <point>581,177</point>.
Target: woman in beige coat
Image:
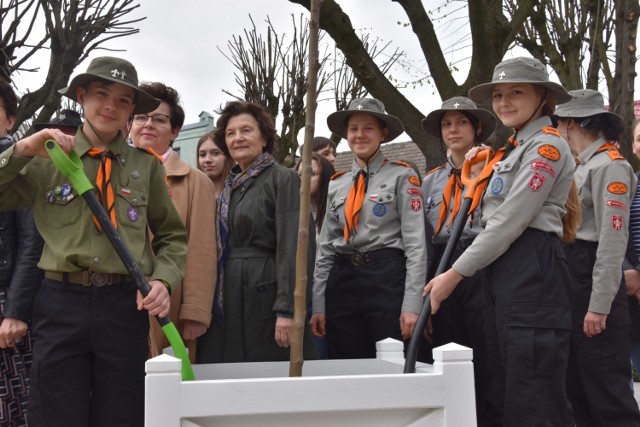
<point>192,194</point>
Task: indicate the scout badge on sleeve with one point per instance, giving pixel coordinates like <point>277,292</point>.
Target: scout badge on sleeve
<point>71,167</point>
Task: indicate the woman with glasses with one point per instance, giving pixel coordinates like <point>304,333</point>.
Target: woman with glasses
<point>192,194</point>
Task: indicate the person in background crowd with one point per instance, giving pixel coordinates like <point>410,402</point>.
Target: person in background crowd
<point>527,287</point>
<point>598,376</point>
<point>372,259</point>
<point>321,173</point>
<point>20,250</point>
<point>631,265</point>
<point>459,124</point>
<point>324,147</point>
<point>257,219</point>
<point>90,322</point>
<point>192,194</point>
<point>213,162</point>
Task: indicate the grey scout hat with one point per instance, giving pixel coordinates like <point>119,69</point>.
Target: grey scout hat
<point>337,122</point>
<point>115,70</point>
<point>65,119</point>
<point>518,70</point>
<point>431,123</point>
<point>585,103</point>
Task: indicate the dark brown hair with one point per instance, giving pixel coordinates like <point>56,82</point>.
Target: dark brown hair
<point>258,112</point>
<point>171,97</point>
<point>9,99</point>
<point>326,172</point>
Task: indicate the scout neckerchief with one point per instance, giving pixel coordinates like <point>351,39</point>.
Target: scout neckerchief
<point>452,188</point>
<point>353,205</point>
<point>612,149</point>
<point>233,181</point>
<point>103,182</point>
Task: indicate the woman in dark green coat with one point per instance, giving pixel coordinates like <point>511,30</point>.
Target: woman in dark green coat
<point>257,237</point>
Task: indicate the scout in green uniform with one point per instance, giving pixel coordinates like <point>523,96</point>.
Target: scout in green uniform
<point>89,324</point>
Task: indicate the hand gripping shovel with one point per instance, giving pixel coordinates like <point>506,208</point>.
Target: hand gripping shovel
<point>71,167</point>
<point>475,187</point>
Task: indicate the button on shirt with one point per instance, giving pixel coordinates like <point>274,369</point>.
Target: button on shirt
<point>72,242</point>
<point>527,189</point>
<point>606,189</point>
<point>391,217</point>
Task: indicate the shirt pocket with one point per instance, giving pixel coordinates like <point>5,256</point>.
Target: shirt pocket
<point>502,178</point>
<point>336,209</point>
<point>63,207</point>
<point>381,203</point>
<point>131,207</point>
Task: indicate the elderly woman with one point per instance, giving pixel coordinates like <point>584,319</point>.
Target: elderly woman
<point>599,374</point>
<point>258,215</point>
<point>192,195</point>
<point>459,125</point>
<point>372,260</point>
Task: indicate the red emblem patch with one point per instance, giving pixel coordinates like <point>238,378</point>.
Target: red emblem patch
<point>543,166</point>
<point>616,204</point>
<point>414,191</point>
<point>414,180</point>
<point>550,152</point>
<point>616,222</point>
<point>536,181</point>
<point>416,204</point>
<point>617,188</point>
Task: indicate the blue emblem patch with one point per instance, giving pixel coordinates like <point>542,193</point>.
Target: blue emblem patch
<point>132,214</point>
<point>379,209</point>
<point>497,185</point>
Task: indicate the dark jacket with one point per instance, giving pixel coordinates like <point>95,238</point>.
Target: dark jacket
<point>631,261</point>
<point>20,251</point>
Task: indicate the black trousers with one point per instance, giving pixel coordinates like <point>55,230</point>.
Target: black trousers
<point>528,316</point>
<point>599,372</point>
<point>363,305</point>
<point>90,346</point>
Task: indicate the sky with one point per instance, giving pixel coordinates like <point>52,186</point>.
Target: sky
<point>179,44</point>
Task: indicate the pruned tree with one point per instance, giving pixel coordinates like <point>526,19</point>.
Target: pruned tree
<point>275,75</point>
<point>72,30</point>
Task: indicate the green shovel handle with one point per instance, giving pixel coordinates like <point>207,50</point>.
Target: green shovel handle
<point>70,165</point>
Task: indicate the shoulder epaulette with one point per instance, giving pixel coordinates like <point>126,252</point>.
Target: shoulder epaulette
<point>434,169</point>
<point>401,163</point>
<point>337,174</point>
<point>612,151</point>
<point>550,130</point>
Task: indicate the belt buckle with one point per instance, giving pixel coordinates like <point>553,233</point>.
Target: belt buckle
<point>357,260</point>
<point>99,279</point>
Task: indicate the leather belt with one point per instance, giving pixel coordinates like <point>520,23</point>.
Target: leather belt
<point>361,258</point>
<point>88,278</point>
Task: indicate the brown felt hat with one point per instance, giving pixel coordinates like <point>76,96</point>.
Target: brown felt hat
<point>431,123</point>
<point>115,70</point>
<point>518,70</point>
<point>337,122</point>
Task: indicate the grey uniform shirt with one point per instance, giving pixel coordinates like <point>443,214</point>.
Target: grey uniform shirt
<point>527,189</point>
<point>391,217</point>
<point>433,186</point>
<point>606,185</point>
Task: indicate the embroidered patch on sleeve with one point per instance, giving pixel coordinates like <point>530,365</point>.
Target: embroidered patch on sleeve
<point>617,188</point>
<point>543,166</point>
<point>416,204</point>
<point>616,222</point>
<point>536,181</point>
<point>615,155</point>
<point>414,180</point>
<point>549,152</point>
<point>616,204</point>
<point>414,191</point>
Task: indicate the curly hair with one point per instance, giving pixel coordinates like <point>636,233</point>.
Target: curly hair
<point>258,112</point>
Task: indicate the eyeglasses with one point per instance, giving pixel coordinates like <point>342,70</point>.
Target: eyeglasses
<point>313,173</point>
<point>156,119</point>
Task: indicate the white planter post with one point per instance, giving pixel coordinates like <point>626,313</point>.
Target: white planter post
<point>455,363</point>
<point>163,384</point>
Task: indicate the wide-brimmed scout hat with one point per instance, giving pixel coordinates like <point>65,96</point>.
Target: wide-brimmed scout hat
<point>518,70</point>
<point>585,103</point>
<point>114,70</point>
<point>337,121</point>
<point>66,119</point>
<point>462,104</point>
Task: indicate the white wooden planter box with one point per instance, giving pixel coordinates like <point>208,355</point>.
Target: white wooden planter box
<point>364,392</point>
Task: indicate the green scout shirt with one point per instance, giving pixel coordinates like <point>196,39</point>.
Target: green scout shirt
<point>72,242</point>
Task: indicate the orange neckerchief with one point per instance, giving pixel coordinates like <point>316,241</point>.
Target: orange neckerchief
<point>453,188</point>
<point>608,146</point>
<point>353,205</point>
<point>103,182</point>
